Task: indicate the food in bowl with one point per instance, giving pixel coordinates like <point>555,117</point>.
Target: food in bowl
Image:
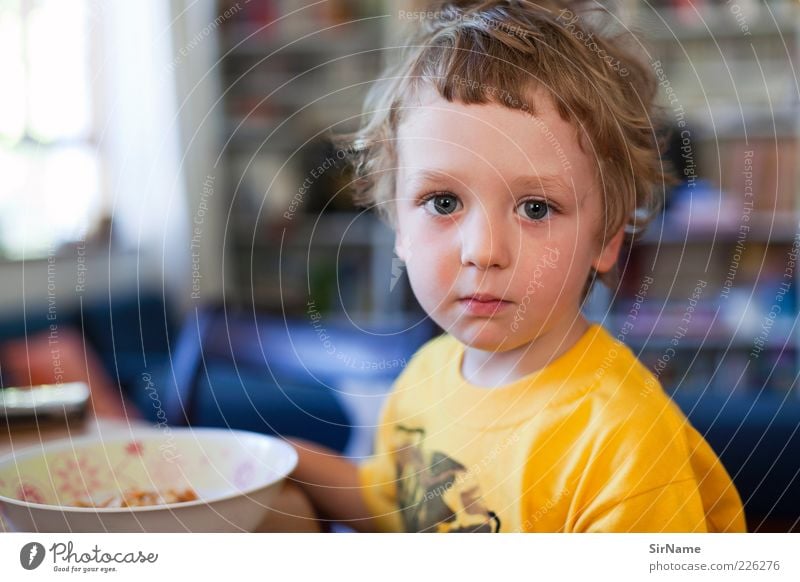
<point>234,474</point>
<point>138,498</point>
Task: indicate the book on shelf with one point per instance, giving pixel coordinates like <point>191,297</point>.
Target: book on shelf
<point>285,21</point>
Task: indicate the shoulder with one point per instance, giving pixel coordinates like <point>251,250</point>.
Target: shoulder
<point>627,401</point>
<point>429,364</point>
<point>440,345</point>
<point>432,358</point>
<point>624,436</point>
<point>615,362</point>
<point>619,377</point>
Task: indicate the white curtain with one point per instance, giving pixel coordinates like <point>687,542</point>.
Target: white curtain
<point>159,151</point>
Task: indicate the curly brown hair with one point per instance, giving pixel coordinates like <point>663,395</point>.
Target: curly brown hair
<point>497,51</point>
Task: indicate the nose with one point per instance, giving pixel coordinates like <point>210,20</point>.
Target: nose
<point>485,242</point>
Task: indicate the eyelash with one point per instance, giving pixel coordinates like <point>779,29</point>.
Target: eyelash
<point>551,208</point>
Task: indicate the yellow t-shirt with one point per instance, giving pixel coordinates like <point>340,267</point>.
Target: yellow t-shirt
<point>589,443</point>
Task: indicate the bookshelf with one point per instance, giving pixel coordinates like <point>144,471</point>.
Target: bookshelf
<point>721,313</point>
<point>292,72</point>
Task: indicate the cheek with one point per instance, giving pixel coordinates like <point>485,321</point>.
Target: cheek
<point>559,265</point>
<point>429,266</point>
<point>432,267</point>
<point>427,247</point>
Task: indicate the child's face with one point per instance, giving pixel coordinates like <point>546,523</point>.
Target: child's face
<point>513,211</point>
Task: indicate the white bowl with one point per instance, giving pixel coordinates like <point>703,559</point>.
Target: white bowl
<point>234,473</point>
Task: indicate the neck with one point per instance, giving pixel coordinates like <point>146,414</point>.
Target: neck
<point>498,368</point>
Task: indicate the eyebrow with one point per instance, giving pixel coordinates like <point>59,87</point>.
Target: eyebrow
<point>546,182</point>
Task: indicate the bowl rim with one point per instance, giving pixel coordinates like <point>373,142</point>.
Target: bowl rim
<point>134,434</point>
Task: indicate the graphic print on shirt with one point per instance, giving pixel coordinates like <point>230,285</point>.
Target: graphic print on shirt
<point>436,493</point>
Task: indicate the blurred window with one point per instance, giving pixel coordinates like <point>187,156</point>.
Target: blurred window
<point>49,163</point>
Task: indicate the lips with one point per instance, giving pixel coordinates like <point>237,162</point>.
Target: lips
<point>482,298</point>
<point>482,304</point>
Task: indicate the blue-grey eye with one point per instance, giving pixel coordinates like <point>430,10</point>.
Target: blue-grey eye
<point>444,203</point>
<point>535,209</point>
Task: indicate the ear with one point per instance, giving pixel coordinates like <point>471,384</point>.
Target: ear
<point>610,253</point>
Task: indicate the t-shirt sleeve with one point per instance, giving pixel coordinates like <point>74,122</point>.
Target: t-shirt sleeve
<point>378,475</point>
<point>640,477</point>
<point>675,507</point>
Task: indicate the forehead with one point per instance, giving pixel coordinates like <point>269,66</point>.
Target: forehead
<point>436,135</point>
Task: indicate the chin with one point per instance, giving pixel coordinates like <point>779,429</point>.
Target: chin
<point>491,337</point>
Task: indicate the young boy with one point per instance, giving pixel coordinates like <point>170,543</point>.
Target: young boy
<point>511,151</point>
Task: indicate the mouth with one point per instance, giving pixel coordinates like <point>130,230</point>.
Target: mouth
<point>483,304</point>
<point>483,298</point>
